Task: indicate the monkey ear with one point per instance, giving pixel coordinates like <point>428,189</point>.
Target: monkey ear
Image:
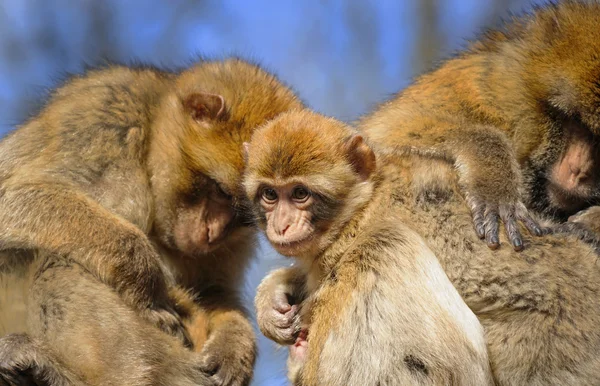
<point>203,106</point>
<point>361,156</point>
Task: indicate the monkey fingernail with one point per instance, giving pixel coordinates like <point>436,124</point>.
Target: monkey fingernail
<point>493,242</point>
<point>493,246</point>
<point>480,231</point>
<point>518,245</point>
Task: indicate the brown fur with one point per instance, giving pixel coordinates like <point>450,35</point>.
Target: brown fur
<point>513,99</point>
<point>127,174</point>
<point>378,307</point>
<point>540,308</point>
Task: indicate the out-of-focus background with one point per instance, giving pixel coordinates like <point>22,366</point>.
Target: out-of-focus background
<point>341,56</point>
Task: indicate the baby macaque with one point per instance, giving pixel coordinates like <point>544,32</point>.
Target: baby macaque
<point>377,308</point>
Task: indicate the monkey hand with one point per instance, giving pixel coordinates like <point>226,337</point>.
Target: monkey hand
<point>141,281</point>
<point>168,321</point>
<point>584,225</point>
<point>228,357</point>
<point>277,319</point>
<point>589,217</point>
<point>488,209</point>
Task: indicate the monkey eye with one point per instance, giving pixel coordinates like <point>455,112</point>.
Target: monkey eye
<point>222,193</point>
<point>300,193</point>
<point>269,195</point>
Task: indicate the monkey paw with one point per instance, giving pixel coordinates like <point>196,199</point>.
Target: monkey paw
<point>486,216</point>
<point>589,217</point>
<point>170,322</point>
<point>581,230</point>
<point>280,322</point>
<point>226,361</point>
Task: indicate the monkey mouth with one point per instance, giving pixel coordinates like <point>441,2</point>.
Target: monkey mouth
<point>289,248</point>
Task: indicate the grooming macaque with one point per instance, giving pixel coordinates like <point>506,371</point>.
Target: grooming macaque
<point>105,340</point>
<point>517,114</point>
<point>540,308</point>
<point>133,176</point>
<point>377,308</point>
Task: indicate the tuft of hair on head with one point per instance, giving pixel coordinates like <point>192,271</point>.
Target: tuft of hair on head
<point>305,145</point>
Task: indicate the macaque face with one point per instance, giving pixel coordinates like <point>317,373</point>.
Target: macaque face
<point>288,212</point>
<point>196,205</point>
<point>204,219</point>
<point>574,178</point>
<point>306,176</point>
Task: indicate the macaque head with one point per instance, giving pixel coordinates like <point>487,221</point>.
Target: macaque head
<point>562,79</point>
<point>196,152</point>
<point>306,176</point>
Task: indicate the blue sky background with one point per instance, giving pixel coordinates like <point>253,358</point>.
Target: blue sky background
<point>341,56</point>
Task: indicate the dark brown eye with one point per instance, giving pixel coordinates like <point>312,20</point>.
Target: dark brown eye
<point>269,195</point>
<point>300,193</point>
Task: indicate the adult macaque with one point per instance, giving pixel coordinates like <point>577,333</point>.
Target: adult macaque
<point>128,174</point>
<point>85,334</point>
<point>517,114</point>
<point>540,308</point>
<point>377,308</point>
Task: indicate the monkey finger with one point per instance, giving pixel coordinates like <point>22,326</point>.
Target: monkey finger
<point>477,212</point>
<point>491,228</point>
<point>282,320</point>
<point>512,230</point>
<point>530,223</point>
<point>532,226</point>
<point>168,321</point>
<point>222,374</point>
<point>282,307</point>
<point>478,222</point>
<point>285,336</point>
<point>507,214</point>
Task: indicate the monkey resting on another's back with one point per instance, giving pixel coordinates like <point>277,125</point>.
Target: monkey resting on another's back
<point>378,305</point>
<point>129,179</point>
<point>517,114</point>
<point>540,308</point>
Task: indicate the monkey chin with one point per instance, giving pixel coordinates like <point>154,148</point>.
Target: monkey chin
<point>297,248</point>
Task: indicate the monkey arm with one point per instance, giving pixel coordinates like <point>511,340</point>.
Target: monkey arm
<point>277,302</point>
<point>484,159</point>
<point>59,219</point>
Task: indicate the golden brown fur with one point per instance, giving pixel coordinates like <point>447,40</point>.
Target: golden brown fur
<point>132,176</point>
<point>522,97</point>
<point>540,308</point>
<point>377,305</point>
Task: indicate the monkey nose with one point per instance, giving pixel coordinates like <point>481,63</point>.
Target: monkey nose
<point>282,232</point>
